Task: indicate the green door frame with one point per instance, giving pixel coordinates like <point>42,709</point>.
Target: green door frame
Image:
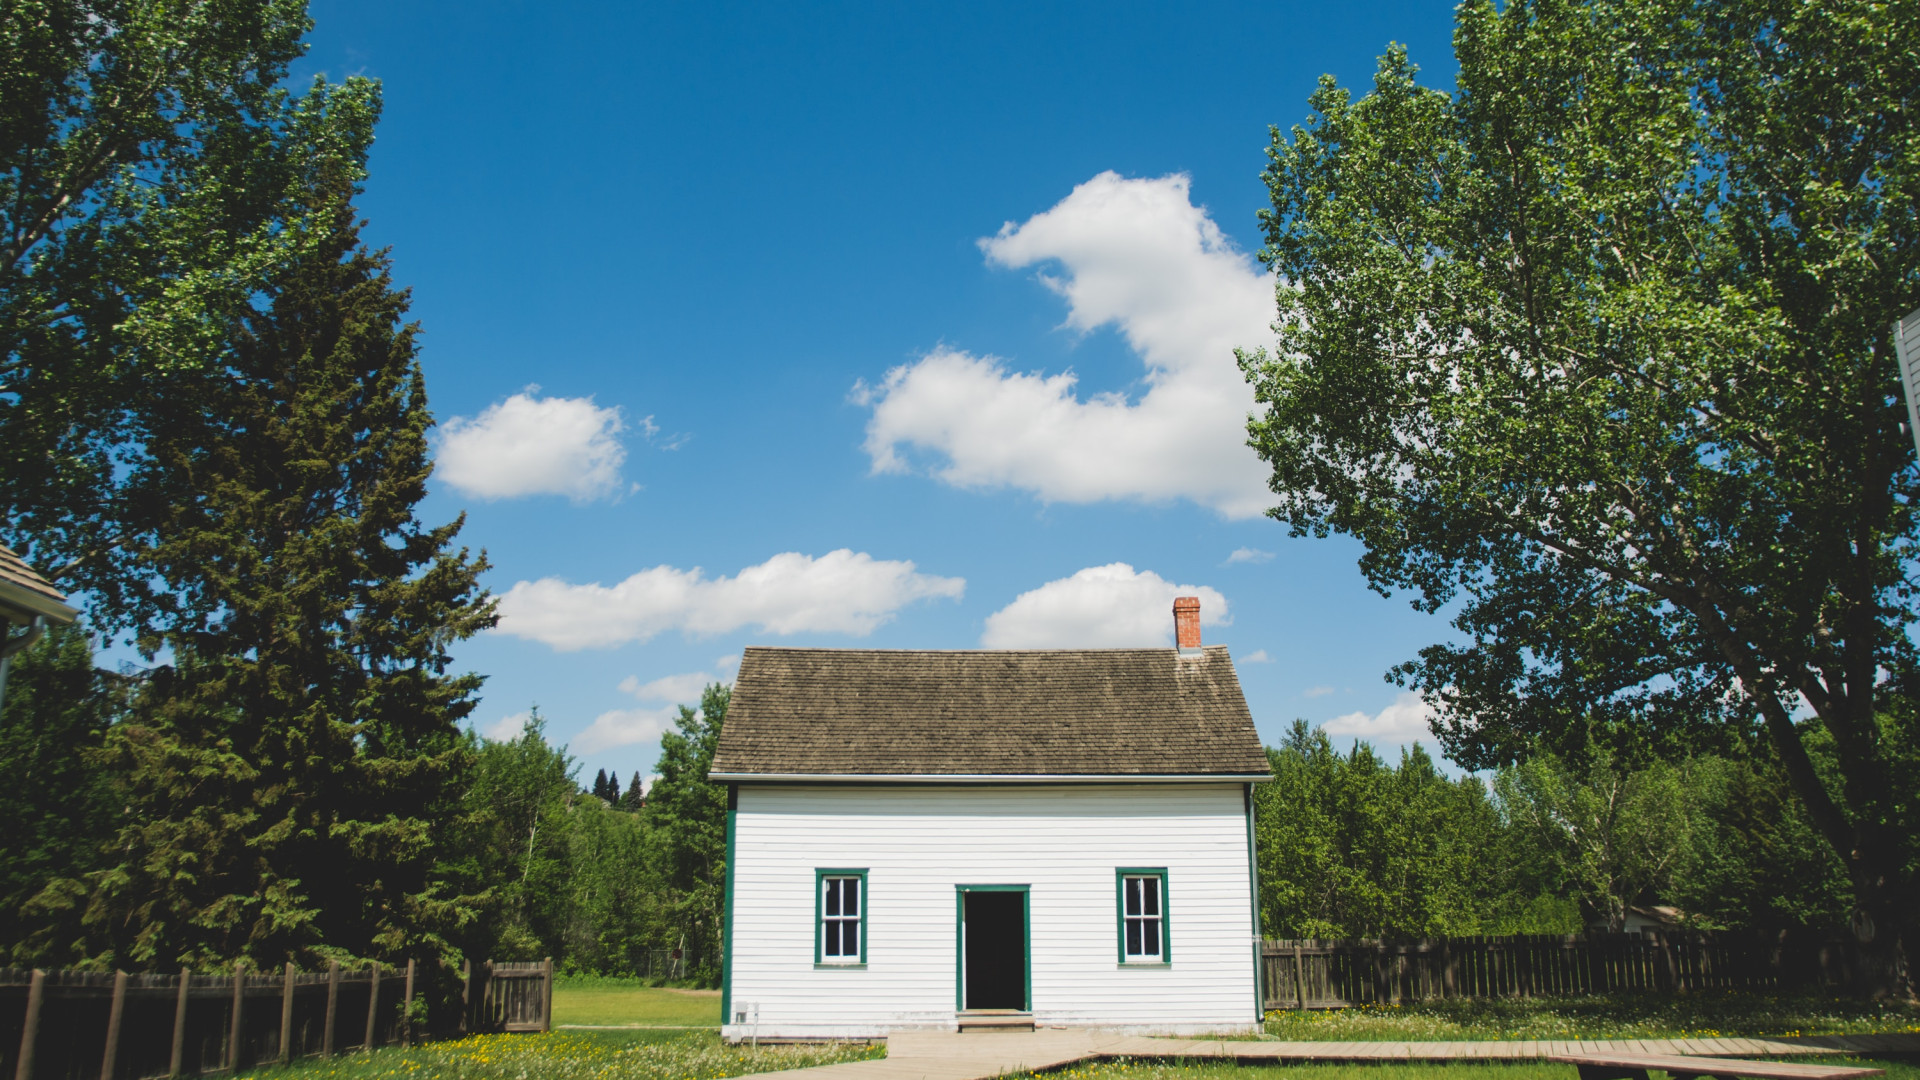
<point>960,940</point>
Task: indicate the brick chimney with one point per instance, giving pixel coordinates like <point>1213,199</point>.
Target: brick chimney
<point>1186,624</point>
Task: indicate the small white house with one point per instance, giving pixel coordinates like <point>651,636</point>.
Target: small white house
<point>921,839</point>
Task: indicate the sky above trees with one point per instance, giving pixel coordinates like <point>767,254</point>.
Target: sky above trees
<point>859,326</point>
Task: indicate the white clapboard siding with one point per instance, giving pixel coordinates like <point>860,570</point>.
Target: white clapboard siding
<point>917,842</point>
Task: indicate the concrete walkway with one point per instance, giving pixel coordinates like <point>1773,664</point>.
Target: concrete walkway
<point>921,1055</point>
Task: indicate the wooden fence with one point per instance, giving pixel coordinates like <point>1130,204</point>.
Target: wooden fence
<point>79,1025</point>
<point>1311,974</point>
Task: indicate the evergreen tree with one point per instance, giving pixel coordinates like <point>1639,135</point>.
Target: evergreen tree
<point>58,806</point>
<point>635,799</point>
<point>600,783</point>
<point>286,777</point>
<point>613,790</point>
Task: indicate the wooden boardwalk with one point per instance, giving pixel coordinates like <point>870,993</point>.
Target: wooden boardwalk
<point>924,1055</point>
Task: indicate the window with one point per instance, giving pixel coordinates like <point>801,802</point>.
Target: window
<point>1143,916</point>
<point>840,909</point>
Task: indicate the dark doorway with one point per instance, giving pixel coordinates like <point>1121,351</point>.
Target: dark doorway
<point>995,931</point>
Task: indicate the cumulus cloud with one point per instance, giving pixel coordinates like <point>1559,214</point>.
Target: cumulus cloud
<point>530,445</point>
<point>1136,255</point>
<point>841,592</point>
<point>1110,606</point>
<point>1249,555</point>
<point>507,728</point>
<point>1257,656</point>
<point>624,727</point>
<point>1404,721</point>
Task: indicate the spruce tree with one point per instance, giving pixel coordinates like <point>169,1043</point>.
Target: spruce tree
<point>635,799</point>
<point>286,777</point>
<point>613,789</point>
<point>600,783</point>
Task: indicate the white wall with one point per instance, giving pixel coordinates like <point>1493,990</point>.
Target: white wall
<point>1064,841</point>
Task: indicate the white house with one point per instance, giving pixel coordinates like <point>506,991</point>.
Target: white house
<point>990,839</point>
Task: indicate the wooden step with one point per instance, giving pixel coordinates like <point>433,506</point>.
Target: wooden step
<point>995,1020</point>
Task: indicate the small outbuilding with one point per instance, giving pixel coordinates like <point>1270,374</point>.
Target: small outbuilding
<point>975,839</point>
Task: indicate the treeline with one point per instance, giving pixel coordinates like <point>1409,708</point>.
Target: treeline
<point>524,863</point>
<point>1352,845</point>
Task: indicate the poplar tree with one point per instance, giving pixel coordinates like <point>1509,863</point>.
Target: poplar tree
<point>288,777</point>
<point>1596,354</point>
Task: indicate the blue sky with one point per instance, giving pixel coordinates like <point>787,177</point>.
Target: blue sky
<point>858,325</point>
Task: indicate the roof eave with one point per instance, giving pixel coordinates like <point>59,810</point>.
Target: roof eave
<point>21,605</point>
<point>992,778</point>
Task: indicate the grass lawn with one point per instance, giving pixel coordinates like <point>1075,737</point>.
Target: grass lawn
<point>567,1055</point>
<point>612,1002</point>
<point>1601,1016</point>
<point>1150,1070</point>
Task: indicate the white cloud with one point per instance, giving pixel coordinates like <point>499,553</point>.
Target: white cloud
<point>841,592</point>
<point>1316,691</point>
<point>528,445</point>
<point>1404,721</point>
<point>1257,656</point>
<point>1139,256</point>
<point>1249,555</point>
<point>1110,606</point>
<point>623,727</point>
<point>505,729</point>
<point>679,689</point>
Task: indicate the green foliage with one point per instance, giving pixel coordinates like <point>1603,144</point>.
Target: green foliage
<point>154,177</point>
<point>1596,354</point>
<point>284,777</point>
<point>1608,835</point>
<point>689,817</point>
<point>596,885</point>
<point>1349,846</point>
<point>57,809</point>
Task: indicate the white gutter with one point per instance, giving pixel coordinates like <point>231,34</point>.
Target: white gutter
<point>993,778</point>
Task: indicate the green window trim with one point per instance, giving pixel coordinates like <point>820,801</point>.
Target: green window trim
<point>726,930</point>
<point>1120,876</point>
<point>820,877</point>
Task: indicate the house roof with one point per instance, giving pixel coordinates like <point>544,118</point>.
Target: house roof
<point>873,714</point>
<point>25,594</point>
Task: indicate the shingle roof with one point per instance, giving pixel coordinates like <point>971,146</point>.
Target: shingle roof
<point>1056,712</point>
<point>24,593</point>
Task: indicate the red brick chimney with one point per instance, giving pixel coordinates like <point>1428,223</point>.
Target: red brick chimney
<point>1186,624</point>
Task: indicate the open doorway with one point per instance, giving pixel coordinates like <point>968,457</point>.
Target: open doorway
<point>994,962</point>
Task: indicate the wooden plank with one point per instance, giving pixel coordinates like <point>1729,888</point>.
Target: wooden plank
<point>333,1003</point>
<point>116,1013</point>
<point>30,1029</point>
<point>373,1005</point>
<point>406,1009</point>
<point>1722,1067</point>
<point>178,1057</point>
<point>286,1015</point>
<point>233,1027</point>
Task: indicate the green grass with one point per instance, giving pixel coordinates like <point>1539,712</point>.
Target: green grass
<point>601,1001</point>
<point>1601,1016</point>
<point>568,1055</point>
<point>1174,1070</point>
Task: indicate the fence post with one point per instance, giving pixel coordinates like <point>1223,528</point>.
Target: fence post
<point>233,1026</point>
<point>373,1003</point>
<point>406,1009</point>
<point>1299,978</point>
<point>466,994</point>
<point>116,1012</point>
<point>286,1016</point>
<point>333,1000</point>
<point>179,1025</point>
<point>36,992</point>
<point>546,1004</point>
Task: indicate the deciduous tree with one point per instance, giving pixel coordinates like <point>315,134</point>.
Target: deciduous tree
<point>1595,354</point>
